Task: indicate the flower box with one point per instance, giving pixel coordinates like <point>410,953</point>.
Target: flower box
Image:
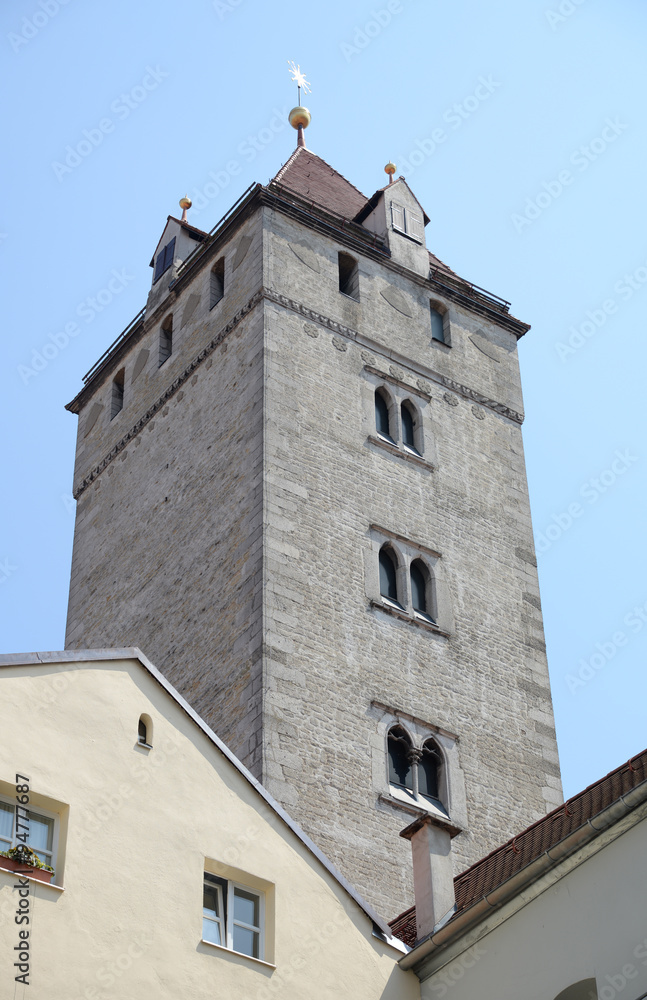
<point>42,874</point>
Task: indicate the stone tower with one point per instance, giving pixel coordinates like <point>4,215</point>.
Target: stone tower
<point>301,492</point>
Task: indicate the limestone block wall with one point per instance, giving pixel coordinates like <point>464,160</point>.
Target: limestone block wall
<point>329,652</point>
<point>168,538</point>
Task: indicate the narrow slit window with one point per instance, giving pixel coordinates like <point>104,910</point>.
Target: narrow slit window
<point>348,276</point>
<point>437,326</point>
<point>399,751</point>
<point>117,398</point>
<point>217,286</point>
<point>166,341</point>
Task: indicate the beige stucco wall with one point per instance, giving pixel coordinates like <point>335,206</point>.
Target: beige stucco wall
<point>592,924</point>
<point>140,826</point>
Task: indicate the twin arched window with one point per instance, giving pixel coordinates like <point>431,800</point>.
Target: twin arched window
<point>421,585</point>
<point>385,418</point>
<point>416,770</point>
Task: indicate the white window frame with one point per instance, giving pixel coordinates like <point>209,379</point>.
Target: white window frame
<point>41,813</point>
<point>228,937</point>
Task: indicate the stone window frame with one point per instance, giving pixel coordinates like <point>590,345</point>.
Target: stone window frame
<point>452,779</point>
<point>439,617</point>
<point>441,307</point>
<point>397,393</point>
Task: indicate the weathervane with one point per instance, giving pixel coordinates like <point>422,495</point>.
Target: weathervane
<point>299,78</point>
<point>299,117</point>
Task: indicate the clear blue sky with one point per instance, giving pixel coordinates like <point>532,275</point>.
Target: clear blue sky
<point>528,123</point>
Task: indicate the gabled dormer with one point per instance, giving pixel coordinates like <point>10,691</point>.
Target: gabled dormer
<point>395,214</point>
<point>177,242</point>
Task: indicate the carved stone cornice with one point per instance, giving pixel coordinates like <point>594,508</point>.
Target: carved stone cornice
<point>334,326</point>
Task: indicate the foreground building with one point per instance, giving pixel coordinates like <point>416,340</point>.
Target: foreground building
<point>301,490</point>
<point>175,874</point>
<point>556,913</point>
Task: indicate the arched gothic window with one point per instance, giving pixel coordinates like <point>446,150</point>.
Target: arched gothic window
<point>408,427</point>
<point>382,422</point>
<point>388,575</point>
<point>418,587</point>
<point>400,765</point>
<point>429,771</point>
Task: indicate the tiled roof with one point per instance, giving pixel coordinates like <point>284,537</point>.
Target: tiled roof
<point>312,178</point>
<point>496,868</point>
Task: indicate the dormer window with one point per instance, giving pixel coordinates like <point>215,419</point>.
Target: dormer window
<point>408,221</point>
<point>164,260</point>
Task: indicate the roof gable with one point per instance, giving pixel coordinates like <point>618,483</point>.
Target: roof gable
<point>51,659</point>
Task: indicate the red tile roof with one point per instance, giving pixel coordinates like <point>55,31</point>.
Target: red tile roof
<point>501,864</point>
<point>312,178</point>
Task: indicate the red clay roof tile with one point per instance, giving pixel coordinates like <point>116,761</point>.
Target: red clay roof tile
<point>501,864</point>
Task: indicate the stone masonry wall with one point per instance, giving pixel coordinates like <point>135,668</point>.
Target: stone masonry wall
<point>168,538</point>
<point>234,539</point>
<point>329,653</point>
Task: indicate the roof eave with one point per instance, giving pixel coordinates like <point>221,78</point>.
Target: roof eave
<point>565,855</point>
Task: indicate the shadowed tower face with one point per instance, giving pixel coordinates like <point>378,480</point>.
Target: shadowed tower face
<point>301,492</point>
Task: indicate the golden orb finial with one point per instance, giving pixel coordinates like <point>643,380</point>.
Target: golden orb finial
<point>390,169</point>
<point>299,117</point>
<point>185,203</point>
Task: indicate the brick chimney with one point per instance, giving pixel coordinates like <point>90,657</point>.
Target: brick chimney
<point>433,877</point>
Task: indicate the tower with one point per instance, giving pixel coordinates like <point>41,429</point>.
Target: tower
<point>301,492</point>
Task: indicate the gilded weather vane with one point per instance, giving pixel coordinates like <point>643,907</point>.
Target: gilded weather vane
<point>299,78</point>
<point>299,117</point>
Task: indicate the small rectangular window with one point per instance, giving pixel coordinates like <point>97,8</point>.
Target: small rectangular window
<point>415,228</point>
<point>166,341</point>
<point>408,221</point>
<point>233,916</point>
<point>217,287</point>
<point>164,260</point>
<point>117,398</point>
<point>397,217</point>
<point>40,832</point>
<point>348,276</point>
<point>437,326</point>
